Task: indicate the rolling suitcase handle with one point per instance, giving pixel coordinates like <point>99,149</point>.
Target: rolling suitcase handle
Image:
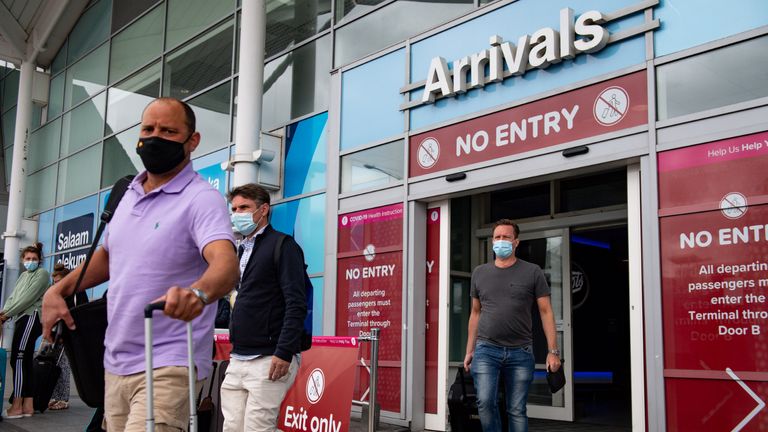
<point>148,373</point>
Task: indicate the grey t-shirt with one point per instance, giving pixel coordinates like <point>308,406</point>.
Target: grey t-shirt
<point>507,296</point>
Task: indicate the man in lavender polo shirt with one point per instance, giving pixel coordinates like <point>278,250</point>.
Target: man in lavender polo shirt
<point>170,239</point>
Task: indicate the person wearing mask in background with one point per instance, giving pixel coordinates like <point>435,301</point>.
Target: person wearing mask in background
<point>267,321</point>
<point>500,339</point>
<point>24,305</point>
<point>170,240</point>
<point>60,397</point>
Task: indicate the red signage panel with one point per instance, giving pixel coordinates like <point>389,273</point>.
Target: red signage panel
<point>714,260</point>
<point>433,310</point>
<point>321,396</point>
<point>370,293</point>
<point>593,110</point>
<point>367,231</point>
<point>702,176</point>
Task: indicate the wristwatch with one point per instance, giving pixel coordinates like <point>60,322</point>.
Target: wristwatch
<point>201,295</point>
<point>555,352</point>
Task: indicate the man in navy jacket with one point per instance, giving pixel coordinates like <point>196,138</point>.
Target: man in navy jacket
<point>267,320</point>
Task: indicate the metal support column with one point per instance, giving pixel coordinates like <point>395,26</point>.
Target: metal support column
<point>250,91</point>
<point>12,234</point>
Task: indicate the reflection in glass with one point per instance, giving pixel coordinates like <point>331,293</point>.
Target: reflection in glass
<point>393,23</point>
<point>87,77</point>
<point>200,63</point>
<point>351,9</point>
<point>60,61</point>
<point>76,176</point>
<point>460,305</point>
<point>124,12</point>
<point>136,45</point>
<point>56,96</point>
<point>375,167</point>
<point>212,113</point>
<point>297,83</point>
<point>189,17</point>
<point>292,21</point>
<point>44,145</point>
<point>120,157</point>
<point>8,156</point>
<point>10,89</point>
<point>91,29</point>
<point>40,192</point>
<point>710,80</point>
<point>83,125</point>
<point>8,124</point>
<point>128,99</point>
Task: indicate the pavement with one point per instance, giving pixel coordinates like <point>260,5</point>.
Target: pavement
<point>77,416</point>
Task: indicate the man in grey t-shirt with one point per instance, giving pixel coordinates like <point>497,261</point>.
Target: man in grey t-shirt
<point>500,329</point>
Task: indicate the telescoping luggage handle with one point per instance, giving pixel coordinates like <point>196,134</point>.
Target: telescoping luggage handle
<point>148,374</point>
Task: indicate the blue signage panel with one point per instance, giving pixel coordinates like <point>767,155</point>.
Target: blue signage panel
<point>216,176</point>
<point>74,233</point>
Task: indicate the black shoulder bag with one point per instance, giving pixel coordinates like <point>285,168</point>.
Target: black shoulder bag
<point>85,345</point>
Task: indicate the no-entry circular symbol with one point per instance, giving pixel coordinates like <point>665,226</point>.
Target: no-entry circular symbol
<point>611,106</point>
<point>315,385</point>
<point>733,205</point>
<point>428,153</point>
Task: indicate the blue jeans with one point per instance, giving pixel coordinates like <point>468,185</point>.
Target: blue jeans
<point>517,365</point>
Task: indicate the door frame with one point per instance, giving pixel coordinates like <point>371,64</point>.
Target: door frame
<point>439,421</point>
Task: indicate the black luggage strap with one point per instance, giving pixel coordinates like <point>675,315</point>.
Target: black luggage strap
<point>463,381</point>
<point>118,190</point>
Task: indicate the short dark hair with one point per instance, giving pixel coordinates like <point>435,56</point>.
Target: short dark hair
<point>507,222</point>
<point>189,115</point>
<point>59,269</point>
<point>36,249</point>
<point>251,191</point>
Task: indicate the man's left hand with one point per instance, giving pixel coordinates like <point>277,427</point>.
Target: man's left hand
<point>553,362</point>
<point>181,303</point>
<point>278,368</point>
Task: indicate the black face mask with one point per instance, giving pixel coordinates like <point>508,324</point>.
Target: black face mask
<point>160,155</point>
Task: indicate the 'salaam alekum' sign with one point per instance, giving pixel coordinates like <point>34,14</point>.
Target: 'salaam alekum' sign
<point>583,34</point>
<point>71,234</point>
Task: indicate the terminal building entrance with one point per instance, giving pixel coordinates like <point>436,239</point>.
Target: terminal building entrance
<point>576,230</point>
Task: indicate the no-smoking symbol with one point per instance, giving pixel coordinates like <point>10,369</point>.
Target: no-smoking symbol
<point>315,385</point>
<point>611,106</point>
<point>428,153</point>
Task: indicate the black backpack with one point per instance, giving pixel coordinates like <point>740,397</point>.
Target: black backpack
<point>306,337</point>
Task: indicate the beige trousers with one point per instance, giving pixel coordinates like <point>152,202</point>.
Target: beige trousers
<point>249,400</point>
<point>125,401</point>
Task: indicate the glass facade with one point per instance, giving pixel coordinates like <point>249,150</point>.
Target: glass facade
<point>710,80</point>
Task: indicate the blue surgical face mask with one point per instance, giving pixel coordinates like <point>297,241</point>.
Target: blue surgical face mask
<point>31,265</point>
<point>243,223</point>
<point>503,248</point>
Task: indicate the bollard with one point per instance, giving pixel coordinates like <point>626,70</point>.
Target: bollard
<point>374,378</point>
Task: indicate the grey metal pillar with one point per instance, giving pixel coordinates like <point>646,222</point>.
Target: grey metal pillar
<point>250,91</point>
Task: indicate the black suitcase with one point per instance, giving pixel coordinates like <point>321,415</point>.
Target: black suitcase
<point>46,373</point>
<point>462,404</point>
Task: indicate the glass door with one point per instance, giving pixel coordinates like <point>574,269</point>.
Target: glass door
<point>550,251</point>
